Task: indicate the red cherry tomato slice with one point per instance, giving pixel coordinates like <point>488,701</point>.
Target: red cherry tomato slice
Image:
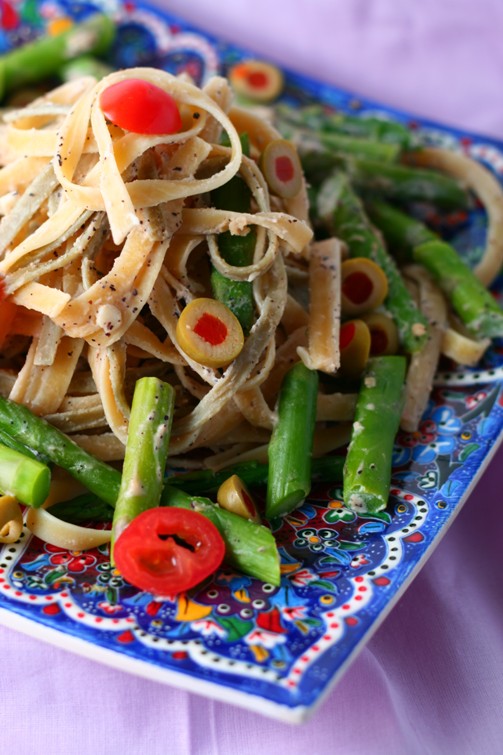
<point>166,551</point>
<point>139,106</point>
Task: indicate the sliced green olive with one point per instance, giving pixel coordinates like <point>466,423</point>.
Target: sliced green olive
<point>256,80</point>
<point>364,286</point>
<point>383,334</point>
<point>281,167</point>
<point>354,343</point>
<point>209,332</point>
<point>234,496</point>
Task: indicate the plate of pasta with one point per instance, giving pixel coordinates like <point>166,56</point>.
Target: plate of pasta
<point>250,352</point>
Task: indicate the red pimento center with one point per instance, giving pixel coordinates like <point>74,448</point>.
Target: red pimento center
<point>284,169</point>
<point>257,79</point>
<point>347,334</point>
<point>248,502</point>
<point>378,341</point>
<point>211,329</point>
<point>357,287</point>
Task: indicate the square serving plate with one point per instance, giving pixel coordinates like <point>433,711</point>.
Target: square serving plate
<point>273,650</point>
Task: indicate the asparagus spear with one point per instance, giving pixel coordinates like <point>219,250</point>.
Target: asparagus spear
<point>317,118</point>
<point>290,447</point>
<point>393,181</point>
<point>340,208</point>
<point>236,250</point>
<point>146,451</point>
<point>469,298</point>
<point>12,442</point>
<point>23,477</point>
<point>45,56</point>
<point>249,547</point>
<point>406,185</point>
<point>339,144</point>
<point>367,470</point>
<point>35,433</point>
<point>401,231</point>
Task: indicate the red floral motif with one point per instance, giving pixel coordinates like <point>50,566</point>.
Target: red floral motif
<point>75,561</point>
<point>271,621</point>
<point>425,434</point>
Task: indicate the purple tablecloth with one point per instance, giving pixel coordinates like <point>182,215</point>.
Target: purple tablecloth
<point>430,680</point>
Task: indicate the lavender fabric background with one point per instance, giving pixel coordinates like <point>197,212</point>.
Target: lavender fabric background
<point>430,681</point>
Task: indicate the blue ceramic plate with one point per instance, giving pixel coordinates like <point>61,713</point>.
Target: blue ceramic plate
<point>273,650</point>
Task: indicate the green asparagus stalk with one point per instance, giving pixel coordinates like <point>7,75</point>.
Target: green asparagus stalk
<point>238,251</point>
<point>23,477</point>
<point>317,118</point>
<point>146,452</point>
<point>343,212</point>
<point>469,298</point>
<point>339,144</point>
<point>406,185</point>
<point>367,470</point>
<point>249,547</point>
<point>398,183</point>
<point>45,56</point>
<point>290,447</point>
<point>12,442</point>
<point>35,433</point>
<point>401,231</point>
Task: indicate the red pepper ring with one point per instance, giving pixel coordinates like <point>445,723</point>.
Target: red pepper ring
<point>166,551</point>
<point>139,106</point>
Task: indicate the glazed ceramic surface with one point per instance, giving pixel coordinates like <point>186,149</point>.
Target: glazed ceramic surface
<point>273,650</point>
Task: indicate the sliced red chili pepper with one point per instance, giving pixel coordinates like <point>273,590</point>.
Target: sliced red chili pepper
<point>166,551</point>
<point>139,106</point>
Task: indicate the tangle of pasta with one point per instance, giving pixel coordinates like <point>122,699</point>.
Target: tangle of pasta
<point>107,235</point>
